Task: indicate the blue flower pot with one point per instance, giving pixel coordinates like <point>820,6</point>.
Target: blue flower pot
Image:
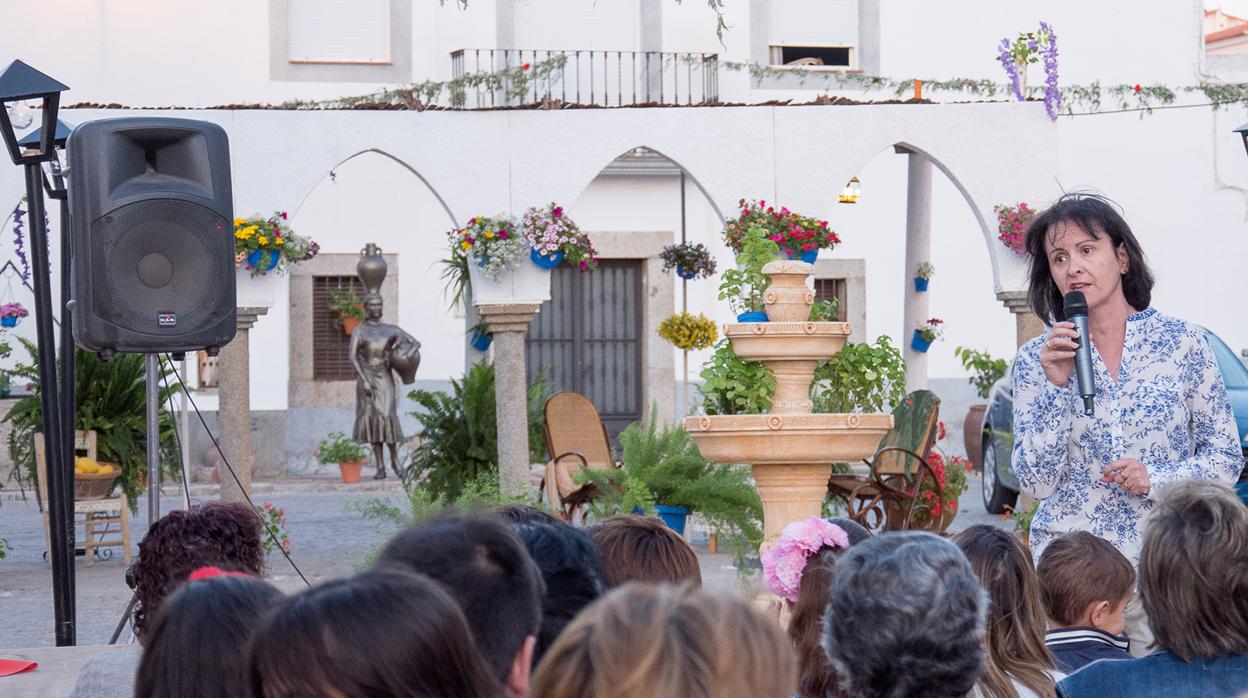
<point>10,321</point>
<point>920,284</point>
<point>754,316</point>
<point>807,256</point>
<point>483,260</point>
<point>546,261</point>
<point>480,340</point>
<point>919,344</point>
<point>674,517</point>
<point>685,273</point>
<point>263,260</point>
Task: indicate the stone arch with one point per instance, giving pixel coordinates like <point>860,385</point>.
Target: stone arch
<point>690,177</point>
<point>397,160</point>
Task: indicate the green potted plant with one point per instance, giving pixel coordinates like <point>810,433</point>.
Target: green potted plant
<point>985,371</point>
<point>922,276</point>
<point>1022,519</point>
<point>860,378</point>
<point>348,306</point>
<point>349,455</point>
<point>824,310</point>
<point>950,473</point>
<point>690,260</point>
<point>744,286</point>
<point>733,386</point>
<point>662,471</point>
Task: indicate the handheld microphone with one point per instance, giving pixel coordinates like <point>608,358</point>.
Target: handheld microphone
<point>1075,307</point>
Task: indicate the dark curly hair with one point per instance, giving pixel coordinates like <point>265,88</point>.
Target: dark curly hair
<point>218,534</point>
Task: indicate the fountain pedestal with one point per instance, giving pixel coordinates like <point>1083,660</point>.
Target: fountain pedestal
<point>790,450</point>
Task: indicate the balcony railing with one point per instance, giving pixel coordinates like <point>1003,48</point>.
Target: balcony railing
<point>484,78</point>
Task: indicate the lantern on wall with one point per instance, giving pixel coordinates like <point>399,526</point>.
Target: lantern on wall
<point>849,195</point>
<point>1243,135</point>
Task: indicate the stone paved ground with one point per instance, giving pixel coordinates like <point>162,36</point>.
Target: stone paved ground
<point>327,541</point>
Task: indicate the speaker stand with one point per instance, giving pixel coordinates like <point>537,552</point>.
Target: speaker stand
<point>153,438</point>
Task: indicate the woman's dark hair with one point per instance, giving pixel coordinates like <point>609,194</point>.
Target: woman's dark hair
<point>517,514</point>
<point>381,633</point>
<point>571,570</point>
<point>1097,215</point>
<point>197,645</point>
<point>216,534</point>
<point>817,678</point>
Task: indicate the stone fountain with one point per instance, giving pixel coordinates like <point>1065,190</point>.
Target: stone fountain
<point>790,449</point>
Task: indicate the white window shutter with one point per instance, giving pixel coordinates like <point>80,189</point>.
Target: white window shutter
<point>610,25</point>
<point>813,22</point>
<point>337,31</point>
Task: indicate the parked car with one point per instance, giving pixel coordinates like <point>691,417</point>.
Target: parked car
<point>1000,486</point>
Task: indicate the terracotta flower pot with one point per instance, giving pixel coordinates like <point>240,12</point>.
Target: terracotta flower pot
<point>349,324</point>
<point>972,428</point>
<point>351,471</point>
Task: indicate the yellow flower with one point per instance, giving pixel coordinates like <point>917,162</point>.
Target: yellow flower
<point>262,240</point>
<point>466,245</point>
<point>239,221</point>
<point>489,233</point>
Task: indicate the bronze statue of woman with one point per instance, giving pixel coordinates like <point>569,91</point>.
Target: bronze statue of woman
<point>377,349</point>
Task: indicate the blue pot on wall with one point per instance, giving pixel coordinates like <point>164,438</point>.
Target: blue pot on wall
<point>263,260</point>
<point>480,341</point>
<point>919,344</point>
<point>752,316</point>
<point>546,261</point>
<point>685,273</point>
<point>8,321</point>
<point>674,517</point>
<point>920,284</point>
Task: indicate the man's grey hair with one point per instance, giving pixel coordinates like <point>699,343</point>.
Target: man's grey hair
<point>906,619</point>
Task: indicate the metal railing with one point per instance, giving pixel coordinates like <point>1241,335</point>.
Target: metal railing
<point>483,78</point>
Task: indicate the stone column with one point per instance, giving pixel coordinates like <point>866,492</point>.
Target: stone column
<point>509,323</point>
<point>234,408</point>
<point>1027,324</point>
<point>918,250</point>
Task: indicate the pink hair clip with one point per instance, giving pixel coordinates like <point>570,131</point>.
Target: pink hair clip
<point>784,562</point>
<point>210,572</point>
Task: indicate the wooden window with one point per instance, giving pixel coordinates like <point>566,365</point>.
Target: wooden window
<point>335,31</point>
<point>813,33</point>
<point>330,345</point>
<point>832,289</point>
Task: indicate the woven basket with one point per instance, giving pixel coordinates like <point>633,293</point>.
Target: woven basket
<point>94,485</point>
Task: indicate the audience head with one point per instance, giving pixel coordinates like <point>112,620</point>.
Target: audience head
<point>483,564</point>
<point>906,618</point>
<point>1016,623</point>
<point>517,514</point>
<point>197,644</point>
<point>381,633</point>
<point>571,572</point>
<point>644,549</point>
<point>800,567</point>
<point>1085,581</point>
<point>646,640</point>
<point>853,529</point>
<point>216,534</point>
<point>1194,571</point>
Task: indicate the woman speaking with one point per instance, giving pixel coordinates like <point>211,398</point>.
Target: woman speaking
<point>1161,410</point>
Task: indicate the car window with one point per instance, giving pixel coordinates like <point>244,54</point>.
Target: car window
<point>1234,373</point>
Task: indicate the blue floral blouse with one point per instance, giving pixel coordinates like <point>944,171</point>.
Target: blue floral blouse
<point>1168,410</point>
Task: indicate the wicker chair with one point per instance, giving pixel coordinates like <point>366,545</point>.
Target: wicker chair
<point>575,439</point>
<point>87,513</point>
<point>887,497</point>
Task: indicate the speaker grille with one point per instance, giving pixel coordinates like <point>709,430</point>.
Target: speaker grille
<point>162,267</point>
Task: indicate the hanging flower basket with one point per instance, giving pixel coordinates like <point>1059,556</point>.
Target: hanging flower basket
<point>1012,224</point>
<point>11,314</point>
<point>927,333</point>
<point>555,237</point>
<point>689,259</point>
<point>687,331</point>
<point>922,275</point>
<point>920,284</point>
<point>263,260</point>
<point>546,261</point>
<point>481,339</point>
<point>268,244</point>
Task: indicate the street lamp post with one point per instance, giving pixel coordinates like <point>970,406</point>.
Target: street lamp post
<point>19,83</point>
<point>1243,134</point>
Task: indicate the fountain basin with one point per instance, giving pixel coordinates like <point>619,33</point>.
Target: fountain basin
<point>787,341</point>
<point>788,438</point>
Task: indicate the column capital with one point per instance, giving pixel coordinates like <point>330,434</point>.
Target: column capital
<point>247,316</point>
<point>1015,301</point>
<point>509,317</point>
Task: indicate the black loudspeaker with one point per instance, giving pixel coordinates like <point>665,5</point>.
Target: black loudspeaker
<point>151,211</point>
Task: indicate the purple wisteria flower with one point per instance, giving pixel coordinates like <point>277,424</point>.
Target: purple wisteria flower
<point>1011,70</point>
<point>1052,95</point>
<point>18,241</point>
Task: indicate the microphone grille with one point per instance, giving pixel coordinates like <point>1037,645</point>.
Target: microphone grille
<point>1074,303</point>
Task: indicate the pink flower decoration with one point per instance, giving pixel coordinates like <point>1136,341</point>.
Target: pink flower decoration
<point>784,562</point>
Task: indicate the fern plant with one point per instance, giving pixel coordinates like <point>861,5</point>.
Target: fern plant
<point>459,432</point>
<point>666,467</point>
<point>111,400</point>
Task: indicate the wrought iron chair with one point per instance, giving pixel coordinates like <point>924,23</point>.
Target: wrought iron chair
<point>889,496</point>
<point>575,440</point>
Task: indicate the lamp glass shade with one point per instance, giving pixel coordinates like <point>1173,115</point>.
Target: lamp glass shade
<point>20,84</point>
